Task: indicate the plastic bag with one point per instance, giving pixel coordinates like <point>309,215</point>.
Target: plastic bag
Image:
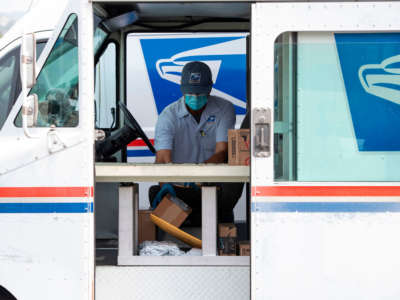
<point>155,248</point>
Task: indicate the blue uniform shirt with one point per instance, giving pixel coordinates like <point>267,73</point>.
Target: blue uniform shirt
<point>192,142</point>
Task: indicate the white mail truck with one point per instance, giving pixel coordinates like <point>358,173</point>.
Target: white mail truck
<point>82,83</point>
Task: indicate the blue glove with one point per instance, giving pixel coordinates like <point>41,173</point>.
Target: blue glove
<point>167,188</point>
<point>191,185</point>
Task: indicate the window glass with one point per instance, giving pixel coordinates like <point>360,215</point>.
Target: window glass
<point>106,88</point>
<point>99,36</point>
<point>284,108</point>
<point>337,107</point>
<point>39,48</point>
<point>8,79</point>
<point>57,83</point>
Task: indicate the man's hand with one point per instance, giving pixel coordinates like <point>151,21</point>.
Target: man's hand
<point>166,188</point>
<point>221,154</point>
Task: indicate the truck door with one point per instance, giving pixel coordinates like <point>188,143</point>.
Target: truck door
<point>46,180</point>
<point>325,126</point>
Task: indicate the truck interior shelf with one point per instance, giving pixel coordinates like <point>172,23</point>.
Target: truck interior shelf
<point>133,172</point>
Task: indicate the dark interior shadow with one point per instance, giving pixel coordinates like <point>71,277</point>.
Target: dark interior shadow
<point>6,295</point>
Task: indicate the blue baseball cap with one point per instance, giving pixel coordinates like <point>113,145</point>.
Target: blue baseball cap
<point>196,78</point>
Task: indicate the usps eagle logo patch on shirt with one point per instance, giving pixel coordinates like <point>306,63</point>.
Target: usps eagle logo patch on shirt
<point>211,119</point>
<point>195,78</point>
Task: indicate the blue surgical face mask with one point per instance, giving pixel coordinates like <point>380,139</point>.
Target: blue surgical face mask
<point>195,102</point>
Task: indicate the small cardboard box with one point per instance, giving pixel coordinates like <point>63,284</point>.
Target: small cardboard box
<point>244,248</point>
<point>239,147</point>
<point>147,229</point>
<point>172,210</point>
<point>227,239</point>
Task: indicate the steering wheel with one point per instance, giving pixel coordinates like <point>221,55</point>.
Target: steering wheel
<point>132,123</point>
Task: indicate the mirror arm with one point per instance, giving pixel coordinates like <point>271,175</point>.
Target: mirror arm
<point>28,80</point>
<point>30,108</point>
<point>26,130</point>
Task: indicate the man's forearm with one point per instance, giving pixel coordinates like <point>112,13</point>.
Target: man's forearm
<point>163,157</point>
<point>218,158</point>
<point>221,154</point>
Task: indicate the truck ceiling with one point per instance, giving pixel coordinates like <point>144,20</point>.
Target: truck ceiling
<point>150,12</point>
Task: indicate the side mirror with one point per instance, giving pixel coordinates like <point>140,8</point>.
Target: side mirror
<point>28,61</point>
<point>30,109</point>
<point>28,78</point>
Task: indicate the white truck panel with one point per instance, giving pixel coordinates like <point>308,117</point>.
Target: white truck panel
<point>171,283</point>
<point>43,256</point>
<point>48,249</point>
<point>319,240</point>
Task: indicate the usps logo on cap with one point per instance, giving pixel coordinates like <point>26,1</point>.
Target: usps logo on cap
<point>195,78</point>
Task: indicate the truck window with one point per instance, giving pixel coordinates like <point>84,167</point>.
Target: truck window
<point>40,47</point>
<point>9,75</point>
<point>10,80</point>
<point>337,107</point>
<point>106,88</point>
<point>57,83</point>
<point>99,36</point>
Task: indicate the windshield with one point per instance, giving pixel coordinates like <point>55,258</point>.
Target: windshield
<point>57,85</point>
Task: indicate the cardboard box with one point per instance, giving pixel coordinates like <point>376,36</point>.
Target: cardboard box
<point>244,248</point>
<point>172,210</point>
<point>239,147</point>
<point>147,229</point>
<point>227,239</point>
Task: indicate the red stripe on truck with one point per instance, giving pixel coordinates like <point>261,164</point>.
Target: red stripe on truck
<point>139,143</point>
<point>334,191</point>
<point>46,192</point>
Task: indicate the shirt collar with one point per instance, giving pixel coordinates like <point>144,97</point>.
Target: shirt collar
<point>182,110</point>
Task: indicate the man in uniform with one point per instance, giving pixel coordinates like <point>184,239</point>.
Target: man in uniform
<point>194,129</point>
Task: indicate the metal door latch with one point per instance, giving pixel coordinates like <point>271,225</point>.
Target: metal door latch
<point>262,132</point>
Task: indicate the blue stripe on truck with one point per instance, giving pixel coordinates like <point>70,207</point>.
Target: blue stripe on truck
<point>133,153</point>
<point>44,208</point>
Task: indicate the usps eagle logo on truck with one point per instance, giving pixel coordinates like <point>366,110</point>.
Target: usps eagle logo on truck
<point>370,66</point>
<point>382,80</point>
<point>225,55</point>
